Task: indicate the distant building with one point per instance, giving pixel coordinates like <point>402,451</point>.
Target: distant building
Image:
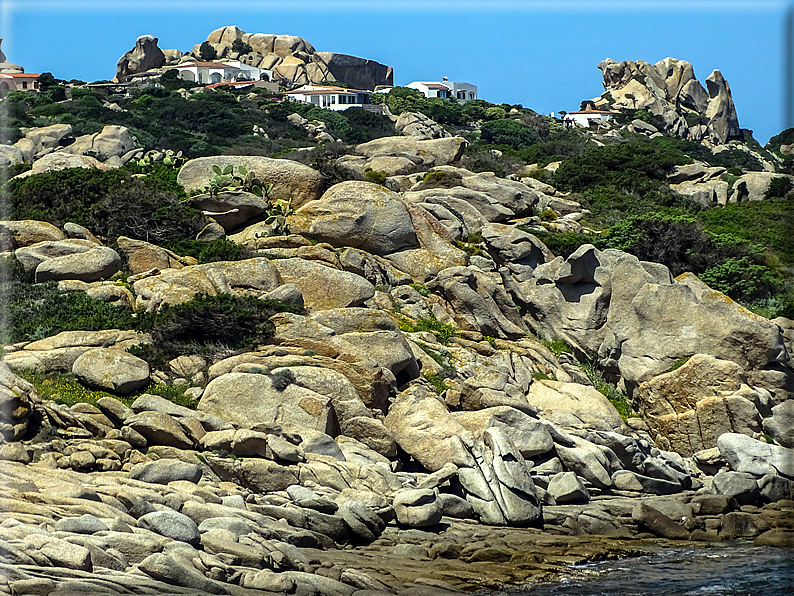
<point>19,81</point>
<point>588,118</point>
<point>446,89</point>
<point>206,73</point>
<point>332,98</point>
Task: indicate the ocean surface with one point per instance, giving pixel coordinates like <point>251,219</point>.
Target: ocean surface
<point>721,570</point>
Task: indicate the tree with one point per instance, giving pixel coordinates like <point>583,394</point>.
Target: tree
<point>207,52</point>
<point>239,47</point>
<point>170,79</point>
<point>508,132</point>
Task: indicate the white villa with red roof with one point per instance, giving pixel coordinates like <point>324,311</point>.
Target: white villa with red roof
<point>205,73</point>
<point>331,97</point>
<point>446,89</point>
<point>12,81</point>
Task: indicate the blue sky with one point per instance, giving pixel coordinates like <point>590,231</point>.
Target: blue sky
<point>539,53</point>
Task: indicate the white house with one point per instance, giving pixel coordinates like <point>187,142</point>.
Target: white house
<point>588,118</point>
<point>205,73</point>
<point>330,97</point>
<point>446,89</point>
<point>19,81</point>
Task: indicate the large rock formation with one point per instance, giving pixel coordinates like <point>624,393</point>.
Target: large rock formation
<point>144,56</point>
<point>294,60</point>
<point>669,89</point>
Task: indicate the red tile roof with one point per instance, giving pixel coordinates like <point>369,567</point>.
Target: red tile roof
<point>208,64</point>
<point>27,75</point>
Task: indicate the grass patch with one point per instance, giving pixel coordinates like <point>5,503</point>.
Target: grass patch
<point>678,364</point>
<point>557,346</point>
<point>608,390</point>
<point>437,381</point>
<point>442,331</point>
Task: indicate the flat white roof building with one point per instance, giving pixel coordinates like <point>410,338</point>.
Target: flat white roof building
<point>446,89</point>
<point>330,97</point>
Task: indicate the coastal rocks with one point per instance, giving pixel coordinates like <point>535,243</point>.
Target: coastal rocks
<point>40,141</point>
<point>17,397</point>
<point>144,56</point>
<point>22,233</point>
<point>417,507</point>
<point>324,287</point>
<point>111,370</point>
<point>63,161</point>
<point>571,404</point>
<point>432,152</point>
<point>424,428</point>
<point>292,181</point>
<point>479,303</point>
<point>745,454</point>
<point>250,399</point>
<point>781,424</point>
<point>499,487</point>
<point>230,209</point>
<point>143,256</point>
<point>689,408</point>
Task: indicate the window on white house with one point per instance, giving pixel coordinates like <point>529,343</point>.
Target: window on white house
<point>24,84</point>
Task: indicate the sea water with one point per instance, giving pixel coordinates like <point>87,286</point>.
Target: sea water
<point>721,570</point>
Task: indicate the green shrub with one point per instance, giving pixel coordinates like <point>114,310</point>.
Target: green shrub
<point>436,381</point>
<point>207,252</point>
<point>110,204</point>
<point>508,132</point>
<point>36,311</point>
<point>375,177</point>
<point>207,321</point>
<point>678,364</point>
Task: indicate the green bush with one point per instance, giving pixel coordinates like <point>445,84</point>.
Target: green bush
<point>508,132</point>
<point>208,321</point>
<point>36,311</point>
<point>110,204</point>
<point>207,252</point>
<point>375,177</point>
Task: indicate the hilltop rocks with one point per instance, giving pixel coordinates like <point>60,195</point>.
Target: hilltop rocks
<point>358,72</point>
<point>753,186</point>
<point>292,181</point>
<point>669,89</point>
<point>39,141</point>
<point>294,60</point>
<point>144,56</point>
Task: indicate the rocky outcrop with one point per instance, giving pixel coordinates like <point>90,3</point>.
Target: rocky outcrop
<point>358,72</point>
<point>144,56</point>
<point>670,90</point>
<point>689,408</point>
<point>636,320</point>
<point>294,60</point>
